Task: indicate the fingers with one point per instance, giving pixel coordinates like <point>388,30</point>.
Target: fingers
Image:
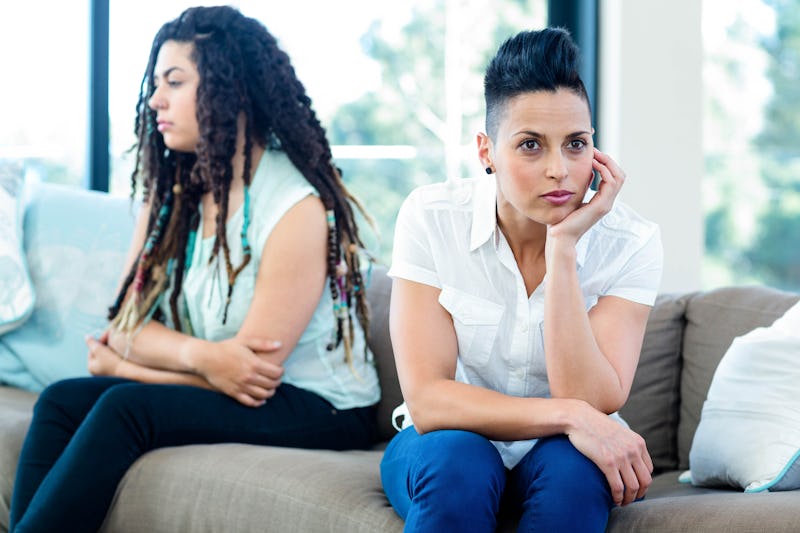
<point>635,472</point>
<point>93,344</point>
<point>264,382</point>
<point>254,396</point>
<point>269,370</point>
<point>262,345</point>
<point>615,484</point>
<point>610,172</point>
<point>248,400</point>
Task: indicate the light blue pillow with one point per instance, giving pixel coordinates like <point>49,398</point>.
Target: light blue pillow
<point>16,290</point>
<point>76,242</point>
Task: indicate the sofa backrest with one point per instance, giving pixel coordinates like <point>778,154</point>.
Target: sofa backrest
<point>379,288</point>
<point>686,337</point>
<point>653,406</point>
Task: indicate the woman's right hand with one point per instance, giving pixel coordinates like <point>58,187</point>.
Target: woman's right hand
<point>620,453</point>
<point>237,368</point>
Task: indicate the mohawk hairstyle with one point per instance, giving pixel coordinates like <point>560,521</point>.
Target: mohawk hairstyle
<point>531,61</point>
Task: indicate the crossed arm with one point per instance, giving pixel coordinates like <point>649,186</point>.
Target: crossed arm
<point>247,367</point>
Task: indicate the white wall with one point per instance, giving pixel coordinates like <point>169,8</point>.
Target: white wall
<point>651,121</point>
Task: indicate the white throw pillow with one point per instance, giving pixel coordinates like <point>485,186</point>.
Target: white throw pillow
<point>16,290</point>
<point>749,432</point>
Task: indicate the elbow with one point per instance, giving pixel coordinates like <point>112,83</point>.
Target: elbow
<point>610,402</point>
<point>424,415</point>
<point>605,401</point>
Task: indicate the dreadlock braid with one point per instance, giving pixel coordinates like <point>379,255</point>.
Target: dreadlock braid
<point>244,76</point>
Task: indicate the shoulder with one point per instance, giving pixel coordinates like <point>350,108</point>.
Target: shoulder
<point>277,174</point>
<point>625,224</point>
<point>621,240</point>
<point>279,190</point>
<point>445,194</point>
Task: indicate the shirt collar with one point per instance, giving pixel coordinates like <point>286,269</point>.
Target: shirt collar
<point>484,211</point>
<point>484,217</point>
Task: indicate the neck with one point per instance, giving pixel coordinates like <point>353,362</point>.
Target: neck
<point>525,237</point>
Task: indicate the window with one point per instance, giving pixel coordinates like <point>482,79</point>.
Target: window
<point>397,85</point>
<point>44,96</point>
<point>752,143</point>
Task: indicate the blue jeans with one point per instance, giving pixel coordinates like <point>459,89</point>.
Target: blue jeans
<point>86,432</point>
<point>454,480</point>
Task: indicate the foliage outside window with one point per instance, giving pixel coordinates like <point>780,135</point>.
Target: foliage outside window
<point>752,142</point>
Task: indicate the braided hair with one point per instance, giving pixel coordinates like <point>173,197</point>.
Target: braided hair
<point>242,71</point>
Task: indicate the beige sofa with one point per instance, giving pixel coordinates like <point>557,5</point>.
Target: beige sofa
<point>241,488</point>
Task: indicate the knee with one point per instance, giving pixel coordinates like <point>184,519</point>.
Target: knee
<point>59,396</point>
<point>461,464</point>
<point>569,470</point>
<point>120,399</point>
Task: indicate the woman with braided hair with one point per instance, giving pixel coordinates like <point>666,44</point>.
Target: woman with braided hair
<point>236,319</point>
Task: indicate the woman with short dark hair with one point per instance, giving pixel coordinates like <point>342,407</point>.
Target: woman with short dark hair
<point>519,306</point>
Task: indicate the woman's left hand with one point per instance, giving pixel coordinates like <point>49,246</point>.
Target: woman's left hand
<point>103,361</point>
<point>579,221</point>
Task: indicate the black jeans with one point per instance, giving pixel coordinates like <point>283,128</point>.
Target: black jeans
<point>87,432</point>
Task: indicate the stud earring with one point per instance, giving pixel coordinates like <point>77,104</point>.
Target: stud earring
<point>489,170</point>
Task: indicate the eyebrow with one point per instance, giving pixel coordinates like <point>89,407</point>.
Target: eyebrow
<point>167,72</point>
<point>536,134</point>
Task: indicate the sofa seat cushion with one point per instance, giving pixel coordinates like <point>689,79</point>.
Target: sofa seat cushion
<point>671,507</point>
<point>712,513</point>
<point>238,487</point>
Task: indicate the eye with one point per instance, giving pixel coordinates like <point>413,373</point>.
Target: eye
<point>174,83</point>
<point>530,145</point>
<point>577,145</point>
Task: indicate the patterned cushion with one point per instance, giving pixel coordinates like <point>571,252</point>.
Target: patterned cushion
<point>16,290</point>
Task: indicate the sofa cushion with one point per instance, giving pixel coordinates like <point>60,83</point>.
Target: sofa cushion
<point>237,487</point>
<point>16,289</point>
<point>749,432</point>
<point>653,405</point>
<point>714,319</point>
<point>714,512</point>
<point>76,241</point>
<point>378,293</point>
<point>15,415</point>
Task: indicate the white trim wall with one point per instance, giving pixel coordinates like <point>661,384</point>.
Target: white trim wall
<point>650,110</point>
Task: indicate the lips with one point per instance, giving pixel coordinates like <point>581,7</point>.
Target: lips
<point>559,197</point>
<point>163,125</point>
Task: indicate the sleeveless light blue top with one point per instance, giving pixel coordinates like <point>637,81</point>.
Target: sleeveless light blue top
<point>276,187</point>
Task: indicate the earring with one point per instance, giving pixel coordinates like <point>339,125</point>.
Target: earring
<point>489,170</point>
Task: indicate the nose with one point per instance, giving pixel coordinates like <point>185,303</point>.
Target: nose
<point>556,165</point>
<point>156,101</point>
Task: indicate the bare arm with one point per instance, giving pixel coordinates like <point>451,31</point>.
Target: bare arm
<point>590,356</point>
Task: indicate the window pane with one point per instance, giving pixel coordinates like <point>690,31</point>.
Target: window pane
<point>397,85</point>
<point>44,95</point>
<point>752,142</point>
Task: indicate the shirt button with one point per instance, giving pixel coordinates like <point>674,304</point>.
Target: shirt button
<point>523,327</point>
